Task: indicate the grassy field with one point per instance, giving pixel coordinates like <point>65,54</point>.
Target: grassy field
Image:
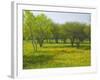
<point>55,55</point>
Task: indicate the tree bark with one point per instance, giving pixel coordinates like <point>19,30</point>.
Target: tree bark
<point>56,40</point>
<point>64,40</point>
<point>40,41</point>
<point>78,43</point>
<point>34,44</point>
<point>72,42</point>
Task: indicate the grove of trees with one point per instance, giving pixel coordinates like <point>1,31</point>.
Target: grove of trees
<point>40,30</point>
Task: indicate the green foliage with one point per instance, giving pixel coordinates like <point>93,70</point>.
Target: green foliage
<point>47,44</point>
<point>28,23</point>
<point>40,28</point>
<point>87,31</point>
<point>55,32</point>
<point>75,32</point>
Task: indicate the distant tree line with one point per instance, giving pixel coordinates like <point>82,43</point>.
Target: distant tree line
<point>40,28</point>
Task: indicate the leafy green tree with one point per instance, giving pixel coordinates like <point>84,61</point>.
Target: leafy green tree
<point>87,31</point>
<point>42,28</point>
<point>28,26</point>
<point>64,35</point>
<point>75,32</point>
<point>79,33</point>
<point>68,29</point>
<point>55,32</point>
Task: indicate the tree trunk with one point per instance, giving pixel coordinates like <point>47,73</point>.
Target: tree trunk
<point>40,41</point>
<point>41,44</point>
<point>56,40</point>
<point>33,40</point>
<point>78,43</point>
<point>64,40</point>
<point>35,43</point>
<point>72,42</point>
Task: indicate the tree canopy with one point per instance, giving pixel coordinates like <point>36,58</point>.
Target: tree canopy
<point>40,28</point>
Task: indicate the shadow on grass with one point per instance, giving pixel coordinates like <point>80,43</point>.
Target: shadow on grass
<point>36,59</point>
<point>82,46</point>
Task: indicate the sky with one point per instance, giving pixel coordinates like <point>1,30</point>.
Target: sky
<point>62,17</point>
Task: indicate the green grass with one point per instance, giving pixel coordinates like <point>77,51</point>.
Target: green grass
<point>55,55</point>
